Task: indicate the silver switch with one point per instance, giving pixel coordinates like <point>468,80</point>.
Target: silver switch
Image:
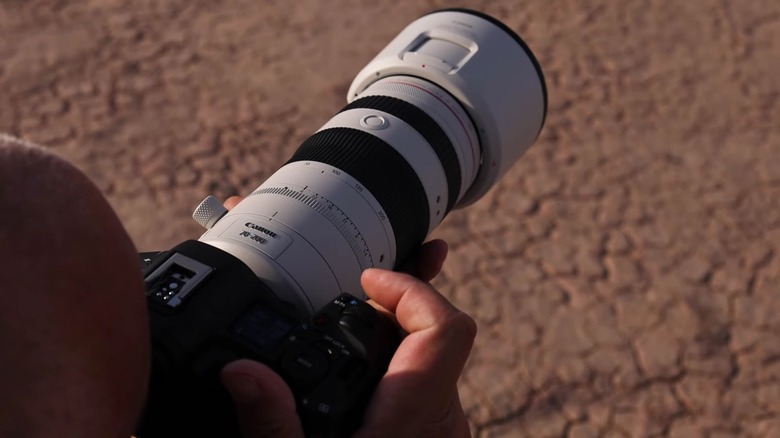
<point>209,212</point>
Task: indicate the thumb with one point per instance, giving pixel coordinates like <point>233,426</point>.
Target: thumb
<point>264,403</point>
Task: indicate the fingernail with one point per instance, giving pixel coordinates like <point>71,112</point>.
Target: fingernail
<point>371,271</point>
<point>243,388</point>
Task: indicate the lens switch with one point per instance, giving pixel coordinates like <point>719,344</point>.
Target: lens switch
<point>437,53</point>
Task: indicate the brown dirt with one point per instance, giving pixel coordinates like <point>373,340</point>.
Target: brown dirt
<point>624,274</point>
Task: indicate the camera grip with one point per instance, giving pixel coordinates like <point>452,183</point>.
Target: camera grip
<point>219,312</point>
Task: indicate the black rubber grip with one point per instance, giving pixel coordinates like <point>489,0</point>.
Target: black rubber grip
<point>381,170</point>
<point>428,128</point>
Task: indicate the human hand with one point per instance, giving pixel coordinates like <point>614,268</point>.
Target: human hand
<point>418,394</point>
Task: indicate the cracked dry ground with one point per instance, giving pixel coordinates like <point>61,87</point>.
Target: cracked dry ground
<point>624,274</point>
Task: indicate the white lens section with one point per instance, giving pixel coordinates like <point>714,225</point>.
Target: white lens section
<point>487,69</point>
<point>410,144</point>
<point>445,111</point>
<point>308,231</point>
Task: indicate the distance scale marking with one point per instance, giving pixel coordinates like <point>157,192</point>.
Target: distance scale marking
<point>336,216</point>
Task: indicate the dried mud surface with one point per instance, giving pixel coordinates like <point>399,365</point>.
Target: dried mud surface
<point>624,274</point>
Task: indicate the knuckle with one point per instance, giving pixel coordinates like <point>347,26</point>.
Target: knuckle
<point>463,325</point>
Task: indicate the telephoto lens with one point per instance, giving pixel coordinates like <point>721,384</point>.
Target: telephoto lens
<point>432,122</point>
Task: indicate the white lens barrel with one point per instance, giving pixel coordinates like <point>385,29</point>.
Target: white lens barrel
<point>308,232</point>
<point>432,122</point>
<point>486,67</point>
<point>445,111</point>
<point>446,163</point>
<point>410,144</point>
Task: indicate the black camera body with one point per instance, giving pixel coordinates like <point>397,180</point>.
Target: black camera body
<point>207,309</point>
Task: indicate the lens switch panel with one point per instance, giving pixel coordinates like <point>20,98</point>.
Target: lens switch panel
<point>437,53</point>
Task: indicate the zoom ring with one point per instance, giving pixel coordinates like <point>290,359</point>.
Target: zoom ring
<point>425,126</point>
<point>381,170</point>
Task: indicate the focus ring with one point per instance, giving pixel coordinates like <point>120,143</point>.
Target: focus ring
<point>383,171</point>
<point>425,126</point>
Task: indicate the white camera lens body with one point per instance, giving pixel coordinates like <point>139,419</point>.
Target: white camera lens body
<point>432,123</point>
<point>487,68</point>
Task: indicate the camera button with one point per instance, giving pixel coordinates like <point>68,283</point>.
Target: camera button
<point>354,324</point>
<point>366,316</point>
<point>305,365</point>
<point>374,121</point>
<point>333,352</point>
